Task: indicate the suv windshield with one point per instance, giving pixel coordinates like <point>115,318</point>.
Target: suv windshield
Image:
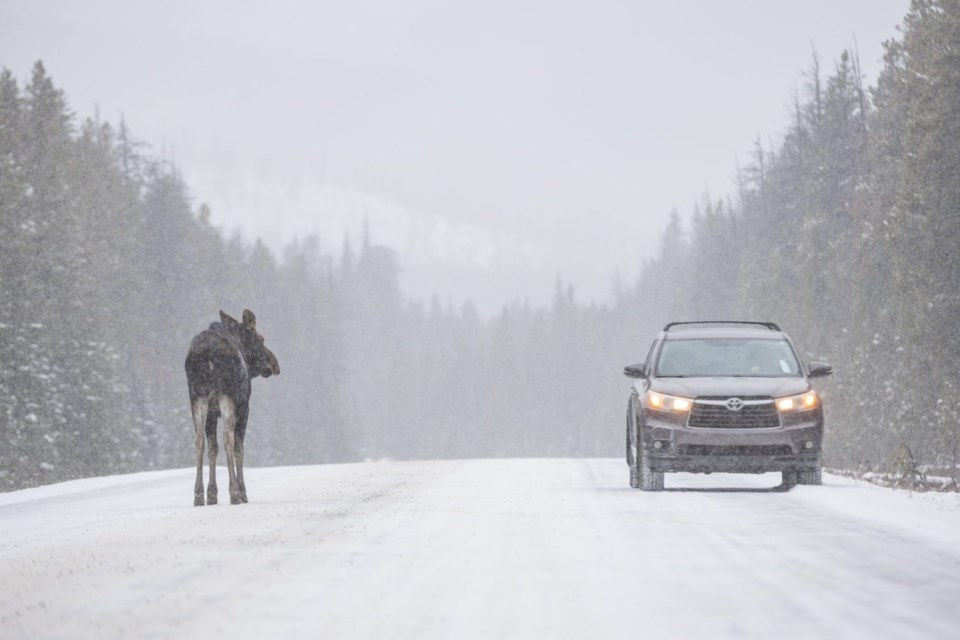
<point>739,357</point>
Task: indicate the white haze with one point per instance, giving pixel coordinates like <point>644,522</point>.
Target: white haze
<point>495,145</point>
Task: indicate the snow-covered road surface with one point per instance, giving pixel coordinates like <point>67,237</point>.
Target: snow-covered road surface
<point>484,549</point>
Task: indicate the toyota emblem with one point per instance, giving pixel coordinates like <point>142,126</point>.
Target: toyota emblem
<point>734,404</point>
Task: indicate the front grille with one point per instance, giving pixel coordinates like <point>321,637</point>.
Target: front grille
<point>734,450</point>
<point>714,414</point>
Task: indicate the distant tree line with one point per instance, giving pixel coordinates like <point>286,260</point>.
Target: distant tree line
<point>845,233</point>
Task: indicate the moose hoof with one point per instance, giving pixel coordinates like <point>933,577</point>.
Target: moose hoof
<point>235,498</point>
<point>198,500</point>
<point>211,497</point>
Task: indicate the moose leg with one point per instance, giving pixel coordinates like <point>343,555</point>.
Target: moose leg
<point>229,414</point>
<point>199,425</point>
<point>212,451</point>
<point>239,432</point>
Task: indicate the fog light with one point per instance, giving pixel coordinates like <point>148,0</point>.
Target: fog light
<point>657,444</point>
<point>808,445</point>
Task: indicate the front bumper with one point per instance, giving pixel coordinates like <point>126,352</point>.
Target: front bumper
<point>668,446</point>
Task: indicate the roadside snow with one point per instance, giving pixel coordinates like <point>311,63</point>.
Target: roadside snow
<point>477,549</point>
<point>930,516</point>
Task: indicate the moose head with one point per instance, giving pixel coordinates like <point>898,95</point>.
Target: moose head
<point>260,360</point>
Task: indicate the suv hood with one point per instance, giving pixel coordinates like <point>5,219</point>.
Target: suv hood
<point>694,387</point>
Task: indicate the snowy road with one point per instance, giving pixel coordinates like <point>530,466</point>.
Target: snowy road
<point>516,548</point>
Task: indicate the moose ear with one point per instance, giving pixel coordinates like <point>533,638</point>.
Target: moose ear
<point>225,319</point>
<point>249,320</point>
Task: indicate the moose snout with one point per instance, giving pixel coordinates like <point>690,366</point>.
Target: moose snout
<point>273,365</point>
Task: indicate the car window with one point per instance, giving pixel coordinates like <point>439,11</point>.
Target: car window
<point>743,357</point>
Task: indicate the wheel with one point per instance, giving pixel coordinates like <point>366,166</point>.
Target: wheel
<point>632,451</point>
<point>632,462</point>
<point>634,477</point>
<point>789,480</point>
<point>650,480</point>
<point>810,476</point>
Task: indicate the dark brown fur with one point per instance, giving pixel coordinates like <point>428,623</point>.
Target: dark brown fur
<point>220,364</point>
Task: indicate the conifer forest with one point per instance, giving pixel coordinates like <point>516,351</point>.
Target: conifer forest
<point>844,230</point>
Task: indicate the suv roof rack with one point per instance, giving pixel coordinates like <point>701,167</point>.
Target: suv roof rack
<point>772,326</point>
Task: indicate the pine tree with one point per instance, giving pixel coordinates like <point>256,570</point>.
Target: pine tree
<point>925,215</point>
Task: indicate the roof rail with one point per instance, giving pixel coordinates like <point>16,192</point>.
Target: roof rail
<point>769,325</point>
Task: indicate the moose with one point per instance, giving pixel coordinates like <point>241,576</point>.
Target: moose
<point>220,364</point>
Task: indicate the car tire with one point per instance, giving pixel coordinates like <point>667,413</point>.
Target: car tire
<point>788,481</point>
<point>650,480</point>
<point>810,476</point>
<point>631,458</point>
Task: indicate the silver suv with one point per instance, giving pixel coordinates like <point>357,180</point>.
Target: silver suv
<point>724,396</point>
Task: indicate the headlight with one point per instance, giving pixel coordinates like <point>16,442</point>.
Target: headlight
<point>804,402</point>
<point>663,402</point>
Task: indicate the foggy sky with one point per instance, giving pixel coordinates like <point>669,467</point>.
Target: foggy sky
<point>496,145</point>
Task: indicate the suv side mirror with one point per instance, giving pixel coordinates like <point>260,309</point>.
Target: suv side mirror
<point>819,369</point>
<point>637,370</point>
